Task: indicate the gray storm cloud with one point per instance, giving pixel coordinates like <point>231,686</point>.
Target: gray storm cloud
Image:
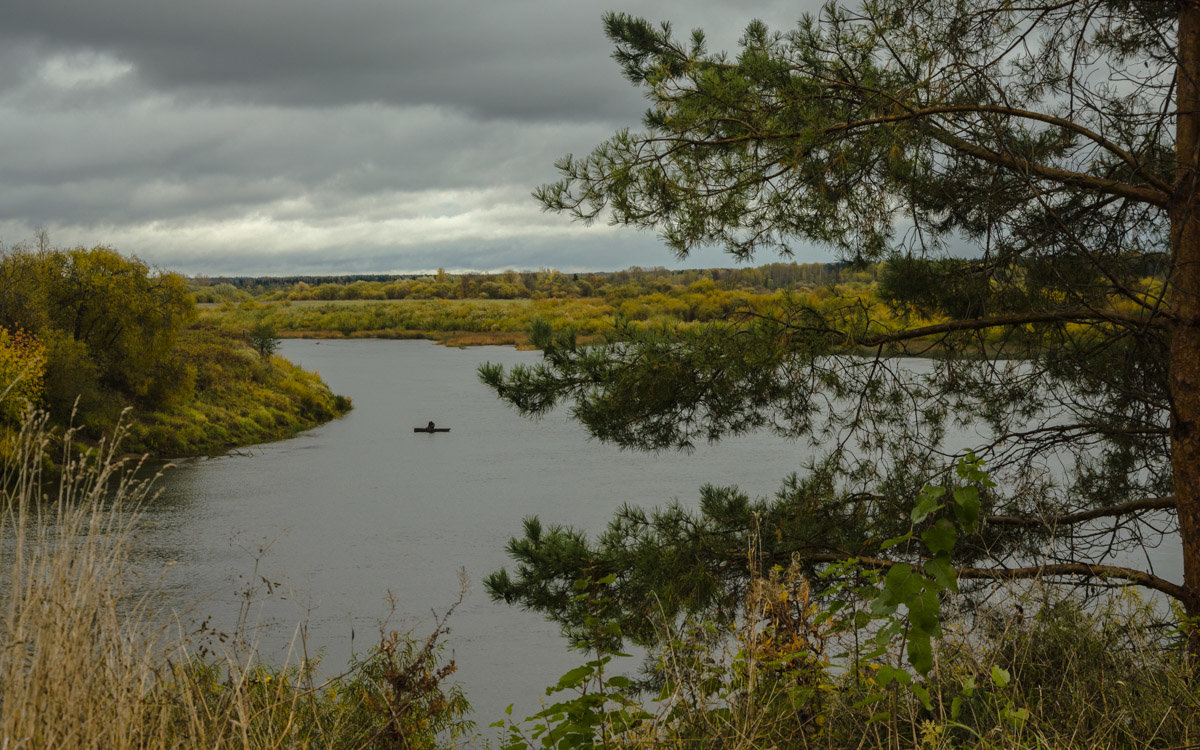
<point>258,136</point>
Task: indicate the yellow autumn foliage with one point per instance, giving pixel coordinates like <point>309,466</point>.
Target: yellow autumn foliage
<point>22,372</point>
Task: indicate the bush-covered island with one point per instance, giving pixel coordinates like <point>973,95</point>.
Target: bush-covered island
<point>88,334</point>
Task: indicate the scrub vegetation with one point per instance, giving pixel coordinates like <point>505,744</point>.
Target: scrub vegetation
<point>468,309</point>
<point>876,297</point>
<point>240,397</point>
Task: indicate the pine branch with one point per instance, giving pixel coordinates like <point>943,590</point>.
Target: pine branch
<point>1068,519</point>
<point>978,324</point>
<point>1139,577</point>
<point>1158,196</point>
<point>1022,165</point>
<point>1163,186</point>
<point>974,324</point>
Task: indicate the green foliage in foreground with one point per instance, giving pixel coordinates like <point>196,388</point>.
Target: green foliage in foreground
<point>875,660</point>
<point>84,664</point>
<point>1064,677</point>
<point>392,697</point>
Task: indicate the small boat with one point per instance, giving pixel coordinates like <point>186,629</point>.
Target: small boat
<point>431,429</point>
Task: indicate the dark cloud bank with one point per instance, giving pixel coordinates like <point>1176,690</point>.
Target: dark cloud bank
<point>303,136</point>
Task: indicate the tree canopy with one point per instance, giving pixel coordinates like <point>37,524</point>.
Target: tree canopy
<point>108,325</point>
<point>1030,174</point>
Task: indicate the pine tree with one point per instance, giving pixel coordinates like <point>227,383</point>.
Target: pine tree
<point>1030,174</point>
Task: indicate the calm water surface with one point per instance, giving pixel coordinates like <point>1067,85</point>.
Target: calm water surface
<point>340,516</point>
<point>346,513</point>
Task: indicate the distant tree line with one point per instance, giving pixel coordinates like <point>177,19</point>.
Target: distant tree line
<point>542,284</point>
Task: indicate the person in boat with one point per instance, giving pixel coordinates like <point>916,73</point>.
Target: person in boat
<point>429,426</point>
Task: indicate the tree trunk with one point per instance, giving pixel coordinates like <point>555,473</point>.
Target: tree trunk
<point>1184,290</point>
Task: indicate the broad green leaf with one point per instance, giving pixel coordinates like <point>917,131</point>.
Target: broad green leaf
<point>940,537</point>
<point>1000,676</point>
<point>942,572</point>
<point>923,694</point>
<point>901,583</point>
<point>966,506</point>
<point>880,607</point>
<point>884,675</point>
<point>575,677</point>
<point>924,612</point>
<point>920,651</point>
<point>1016,716</point>
<point>895,540</point>
<point>927,502</point>
<point>966,495</point>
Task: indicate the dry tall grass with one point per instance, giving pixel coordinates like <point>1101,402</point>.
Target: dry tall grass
<point>84,662</point>
<point>78,664</point>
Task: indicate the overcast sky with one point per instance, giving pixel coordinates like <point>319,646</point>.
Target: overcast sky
<point>228,137</point>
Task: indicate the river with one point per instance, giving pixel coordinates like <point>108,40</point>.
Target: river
<point>340,516</point>
<point>321,528</point>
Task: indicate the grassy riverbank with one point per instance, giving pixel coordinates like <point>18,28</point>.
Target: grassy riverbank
<point>85,661</point>
<point>466,322</point>
<point>240,398</point>
<point>235,397</point>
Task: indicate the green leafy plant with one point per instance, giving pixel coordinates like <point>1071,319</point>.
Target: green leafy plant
<point>595,705</point>
<point>919,588</point>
